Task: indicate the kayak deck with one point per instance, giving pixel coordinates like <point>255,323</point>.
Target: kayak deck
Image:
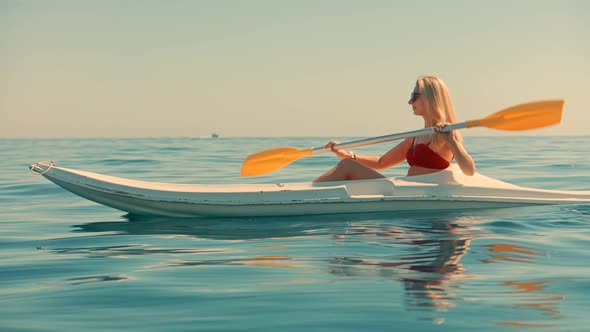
<point>449,189</point>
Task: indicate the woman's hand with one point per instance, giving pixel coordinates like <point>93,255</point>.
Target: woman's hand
<point>449,136</point>
<point>340,153</point>
<point>453,139</point>
<point>330,145</point>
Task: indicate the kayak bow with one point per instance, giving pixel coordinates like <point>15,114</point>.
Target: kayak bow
<point>448,189</point>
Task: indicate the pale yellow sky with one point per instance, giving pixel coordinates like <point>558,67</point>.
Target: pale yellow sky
<point>281,68</point>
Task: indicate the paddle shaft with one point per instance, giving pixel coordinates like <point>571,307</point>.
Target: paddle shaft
<point>387,138</point>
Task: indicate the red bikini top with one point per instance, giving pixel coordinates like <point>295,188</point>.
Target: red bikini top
<point>422,155</point>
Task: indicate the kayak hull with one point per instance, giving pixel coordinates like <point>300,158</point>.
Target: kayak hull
<point>445,190</point>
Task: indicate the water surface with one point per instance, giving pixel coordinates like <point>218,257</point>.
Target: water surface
<point>70,264</point>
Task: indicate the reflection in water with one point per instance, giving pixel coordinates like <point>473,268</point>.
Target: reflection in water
<point>276,261</point>
<point>429,263</point>
<point>510,253</point>
<point>92,279</point>
<point>529,294</point>
<point>422,253</point>
<point>223,229</point>
<point>123,251</point>
<point>546,303</point>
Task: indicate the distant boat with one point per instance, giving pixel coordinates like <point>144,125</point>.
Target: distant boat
<point>214,135</point>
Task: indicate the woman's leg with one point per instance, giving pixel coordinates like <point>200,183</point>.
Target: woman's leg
<point>348,169</point>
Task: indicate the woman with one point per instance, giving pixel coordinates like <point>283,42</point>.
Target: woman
<point>425,154</point>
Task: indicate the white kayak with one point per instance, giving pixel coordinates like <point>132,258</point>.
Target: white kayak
<point>448,189</point>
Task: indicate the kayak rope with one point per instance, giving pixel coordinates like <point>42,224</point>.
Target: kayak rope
<point>38,170</point>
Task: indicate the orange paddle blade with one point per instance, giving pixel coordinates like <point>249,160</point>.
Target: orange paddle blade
<point>272,159</point>
<point>532,115</point>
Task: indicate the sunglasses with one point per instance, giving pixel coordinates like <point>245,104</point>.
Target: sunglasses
<point>414,96</point>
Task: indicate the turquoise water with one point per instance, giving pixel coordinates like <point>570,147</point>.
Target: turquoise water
<point>67,264</point>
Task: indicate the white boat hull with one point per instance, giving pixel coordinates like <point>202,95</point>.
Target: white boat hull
<point>445,190</point>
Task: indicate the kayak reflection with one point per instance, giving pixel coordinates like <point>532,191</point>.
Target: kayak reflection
<point>225,228</point>
<point>253,228</point>
<point>422,252</point>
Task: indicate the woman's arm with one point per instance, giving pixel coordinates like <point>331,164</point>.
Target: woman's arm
<point>391,158</point>
<point>455,142</point>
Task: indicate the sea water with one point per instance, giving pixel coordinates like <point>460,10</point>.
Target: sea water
<point>68,264</point>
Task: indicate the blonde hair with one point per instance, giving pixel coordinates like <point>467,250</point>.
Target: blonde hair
<point>436,101</point>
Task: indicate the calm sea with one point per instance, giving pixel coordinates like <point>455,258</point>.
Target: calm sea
<point>67,264</point>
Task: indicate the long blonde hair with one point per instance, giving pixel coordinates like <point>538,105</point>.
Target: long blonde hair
<point>436,101</point>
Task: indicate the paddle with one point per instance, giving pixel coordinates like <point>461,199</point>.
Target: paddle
<point>531,115</point>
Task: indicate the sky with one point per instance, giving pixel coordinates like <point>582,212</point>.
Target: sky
<point>117,68</point>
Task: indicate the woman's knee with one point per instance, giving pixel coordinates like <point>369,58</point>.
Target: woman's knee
<point>355,170</point>
<point>346,162</point>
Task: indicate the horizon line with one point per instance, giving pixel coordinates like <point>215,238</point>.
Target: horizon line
<point>255,137</point>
